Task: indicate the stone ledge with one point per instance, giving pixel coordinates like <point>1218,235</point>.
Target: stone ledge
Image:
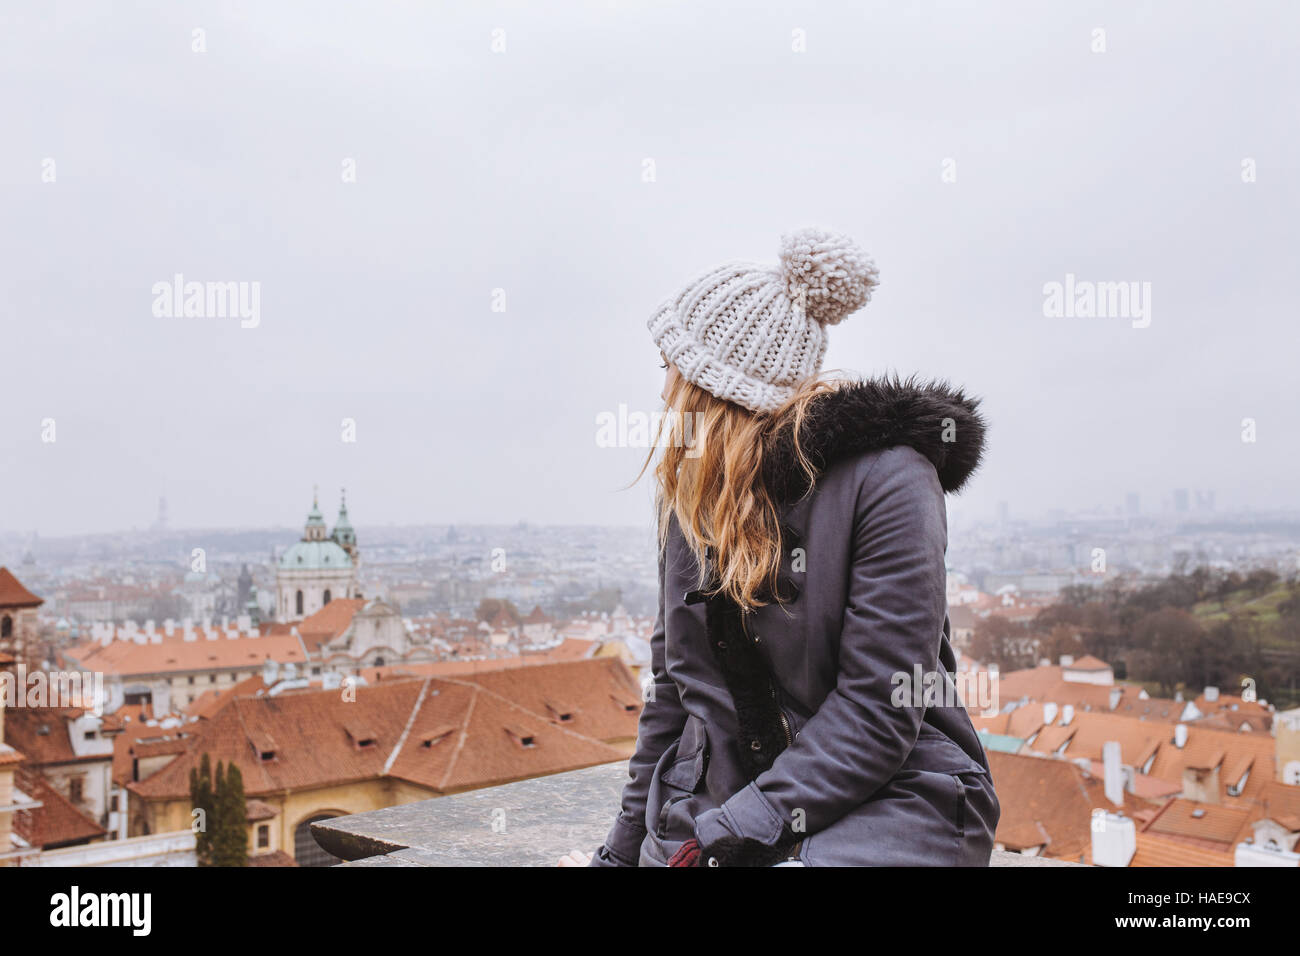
<point>527,823</point>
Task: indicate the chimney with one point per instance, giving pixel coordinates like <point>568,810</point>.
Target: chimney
<point>1044,662</point>
<point>1113,775</point>
<point>1180,736</point>
<point>1211,694</point>
<point>1049,713</point>
<point>1067,660</point>
<point>148,627</point>
<point>1114,839</point>
<point>169,627</point>
<point>1067,715</point>
<point>1115,694</point>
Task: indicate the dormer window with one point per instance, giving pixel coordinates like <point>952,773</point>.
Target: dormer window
<point>559,714</point>
<point>361,735</point>
<point>263,746</point>
<point>522,736</point>
<point>1234,789</point>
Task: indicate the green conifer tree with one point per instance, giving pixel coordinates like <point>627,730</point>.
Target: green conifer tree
<point>233,830</point>
<point>203,798</point>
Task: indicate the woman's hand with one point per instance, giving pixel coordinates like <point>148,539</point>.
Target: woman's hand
<point>575,858</point>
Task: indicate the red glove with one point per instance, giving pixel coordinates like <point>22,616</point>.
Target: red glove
<point>688,855</point>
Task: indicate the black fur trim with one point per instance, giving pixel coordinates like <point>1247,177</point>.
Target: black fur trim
<point>937,419</point>
<point>734,851</point>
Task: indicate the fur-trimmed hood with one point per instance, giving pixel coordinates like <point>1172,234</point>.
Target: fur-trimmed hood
<point>937,419</point>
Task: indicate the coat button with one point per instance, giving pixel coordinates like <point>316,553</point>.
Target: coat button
<point>713,861</point>
<point>722,645</point>
<point>756,745</point>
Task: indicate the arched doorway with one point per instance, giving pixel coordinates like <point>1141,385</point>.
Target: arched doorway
<point>305,848</point>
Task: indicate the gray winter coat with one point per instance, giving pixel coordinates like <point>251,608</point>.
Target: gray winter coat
<point>781,735</point>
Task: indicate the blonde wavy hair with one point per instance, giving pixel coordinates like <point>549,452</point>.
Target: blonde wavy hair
<point>710,477</point>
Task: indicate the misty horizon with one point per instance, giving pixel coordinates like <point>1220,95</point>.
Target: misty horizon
<point>1094,242</point>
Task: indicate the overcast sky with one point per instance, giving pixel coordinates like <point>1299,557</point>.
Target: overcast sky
<point>524,170</point>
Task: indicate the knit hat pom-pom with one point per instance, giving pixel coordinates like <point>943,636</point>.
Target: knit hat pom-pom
<point>828,273</point>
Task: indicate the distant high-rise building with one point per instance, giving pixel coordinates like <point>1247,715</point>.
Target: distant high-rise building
<point>1004,512</point>
<point>1181,500</point>
<point>1133,504</point>
<point>160,523</point>
<point>1205,500</point>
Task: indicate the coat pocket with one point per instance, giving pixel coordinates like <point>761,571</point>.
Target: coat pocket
<point>687,770</point>
<point>685,774</point>
<point>937,753</point>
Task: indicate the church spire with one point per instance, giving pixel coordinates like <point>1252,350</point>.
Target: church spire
<point>315,528</point>
<point>344,535</point>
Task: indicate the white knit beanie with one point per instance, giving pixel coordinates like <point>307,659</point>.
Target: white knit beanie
<point>750,333</point>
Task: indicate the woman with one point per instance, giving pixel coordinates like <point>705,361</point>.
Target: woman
<point>802,593</point>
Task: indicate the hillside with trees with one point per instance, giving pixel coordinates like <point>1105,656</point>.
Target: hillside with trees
<point>1184,632</point>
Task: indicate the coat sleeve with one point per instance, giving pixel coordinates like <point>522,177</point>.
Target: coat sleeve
<point>859,738</point>
<point>661,723</point>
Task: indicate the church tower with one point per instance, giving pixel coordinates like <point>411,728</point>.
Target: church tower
<point>315,570</point>
<point>344,535</point>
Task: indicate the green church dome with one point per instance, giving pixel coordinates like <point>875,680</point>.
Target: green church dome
<point>315,556</point>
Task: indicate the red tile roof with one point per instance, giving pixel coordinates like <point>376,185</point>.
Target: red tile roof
<point>56,822</point>
<point>174,654</point>
<point>329,622</point>
<point>41,733</point>
<point>442,734</point>
<point>256,811</point>
<point>13,594</point>
<point>1050,802</point>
